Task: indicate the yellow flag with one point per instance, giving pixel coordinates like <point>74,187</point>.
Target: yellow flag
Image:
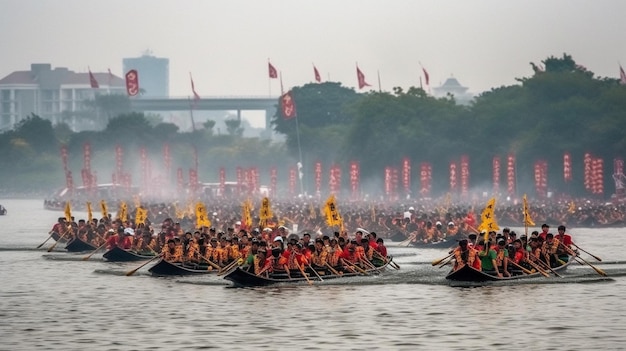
<point>141,216</point>
<point>202,220</point>
<point>68,212</point>
<point>488,218</point>
<point>89,212</point>
<point>247,216</point>
<point>527,220</point>
<point>265,213</point>
<point>103,208</point>
<point>333,218</point>
<point>122,213</point>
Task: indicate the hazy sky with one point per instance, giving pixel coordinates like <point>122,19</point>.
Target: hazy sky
<point>226,44</point>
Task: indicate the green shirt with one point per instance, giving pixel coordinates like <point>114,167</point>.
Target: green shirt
<point>487,259</point>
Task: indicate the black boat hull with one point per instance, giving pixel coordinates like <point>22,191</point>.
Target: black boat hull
<point>470,274</point>
<point>78,245</point>
<point>117,254</point>
<point>164,268</point>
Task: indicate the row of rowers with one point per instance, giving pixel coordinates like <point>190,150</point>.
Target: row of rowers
<point>505,254</point>
<point>220,249</point>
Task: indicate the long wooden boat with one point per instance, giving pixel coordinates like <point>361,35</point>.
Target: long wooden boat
<point>242,278</point>
<point>78,245</point>
<point>165,268</point>
<point>470,274</point>
<point>117,254</point>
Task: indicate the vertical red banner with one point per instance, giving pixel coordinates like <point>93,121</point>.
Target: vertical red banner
<point>318,178</point>
<point>453,177</point>
<point>180,181</point>
<point>544,178</point>
<point>465,175</point>
<point>394,183</point>
<point>86,171</point>
<point>64,157</point>
<point>273,181</point>
<point>496,175</point>
<point>222,181</point>
<point>292,181</point>
<point>567,167</point>
<point>239,180</point>
<point>587,163</point>
<point>597,172</point>
<point>537,172</point>
<point>406,175</point>
<point>332,180</point>
<point>119,163</point>
<point>510,175</point>
<point>388,182</point>
<point>354,179</point>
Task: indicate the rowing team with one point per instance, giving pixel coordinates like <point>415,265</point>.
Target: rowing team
<point>263,257</point>
<point>505,255</point>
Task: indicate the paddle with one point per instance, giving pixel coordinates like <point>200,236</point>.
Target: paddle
<point>143,264</point>
<point>350,265</point>
<point>61,237</point>
<point>228,267</point>
<point>537,268</point>
<point>93,252</point>
<point>577,258</point>
<point>304,274</point>
<point>520,267</point>
<point>387,261</point>
<point>50,236</point>
<point>547,265</point>
<point>332,269</point>
<point>213,264</point>
<point>587,252</point>
<point>436,262</point>
<point>445,263</point>
<point>314,271</point>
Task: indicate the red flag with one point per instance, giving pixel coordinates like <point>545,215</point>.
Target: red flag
<point>318,78</point>
<point>361,78</point>
<point>426,76</point>
<point>288,105</point>
<point>272,70</point>
<point>92,81</point>
<point>196,97</point>
<point>132,82</point>
<point>622,76</point>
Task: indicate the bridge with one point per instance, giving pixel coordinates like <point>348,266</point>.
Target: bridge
<point>231,103</point>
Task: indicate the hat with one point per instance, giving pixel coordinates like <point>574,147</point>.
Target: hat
<point>129,231</point>
<point>450,224</point>
<point>278,238</point>
<point>238,223</point>
<point>438,223</point>
<point>267,229</point>
<point>501,242</point>
<point>411,208</point>
<point>111,231</point>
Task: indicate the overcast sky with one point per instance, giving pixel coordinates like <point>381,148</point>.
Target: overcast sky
<point>226,44</point>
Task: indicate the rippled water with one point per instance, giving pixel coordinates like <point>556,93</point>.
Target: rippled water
<point>57,301</point>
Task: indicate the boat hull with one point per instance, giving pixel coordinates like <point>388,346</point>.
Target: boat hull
<point>470,274</point>
<point>117,254</point>
<point>164,268</point>
<point>78,245</point>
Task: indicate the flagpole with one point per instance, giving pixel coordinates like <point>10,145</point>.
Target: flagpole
<point>193,124</point>
<point>379,89</point>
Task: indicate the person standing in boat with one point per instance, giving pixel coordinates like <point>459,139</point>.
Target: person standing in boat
<point>488,259</point>
<point>549,249</point>
<point>566,240</point>
<point>545,228</point>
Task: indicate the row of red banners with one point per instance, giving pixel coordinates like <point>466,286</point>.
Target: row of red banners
<point>248,179</point>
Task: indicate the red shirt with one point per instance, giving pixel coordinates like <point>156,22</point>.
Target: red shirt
<point>382,250</point>
<point>566,239</point>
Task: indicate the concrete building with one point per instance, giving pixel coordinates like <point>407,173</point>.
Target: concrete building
<point>51,94</point>
<point>153,72</point>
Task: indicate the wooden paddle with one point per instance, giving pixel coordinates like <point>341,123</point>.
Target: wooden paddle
<point>587,252</point>
<point>578,259</point>
<point>143,264</point>
<point>445,263</point>
<point>230,266</point>
<point>304,273</point>
<point>386,260</point>
<point>436,262</point>
<point>317,274</point>
<point>213,264</point>
<point>354,267</point>
<point>61,237</point>
<point>537,268</point>
<point>93,252</point>
<point>520,267</point>
<point>50,236</point>
<point>332,269</point>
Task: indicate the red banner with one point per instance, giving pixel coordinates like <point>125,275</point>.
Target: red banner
<point>394,183</point>
<point>64,156</point>
<point>333,182</point>
<point>273,181</point>
<point>239,180</point>
<point>541,178</point>
<point>406,175</point>
<point>180,181</point>
<point>292,181</point>
<point>193,182</point>
<point>496,175</point>
<point>597,174</point>
<point>318,178</point>
<point>587,160</point>
<point>510,175</point>
<point>388,182</point>
<point>354,179</point>
<point>288,105</point>
<point>424,181</point>
<point>567,167</point>
<point>132,82</point>
<point>222,180</point>
<point>465,175</point>
<point>453,177</point>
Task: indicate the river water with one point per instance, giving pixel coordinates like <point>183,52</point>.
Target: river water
<point>58,301</point>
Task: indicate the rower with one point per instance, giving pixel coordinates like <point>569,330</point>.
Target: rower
<point>464,254</point>
<point>488,259</point>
